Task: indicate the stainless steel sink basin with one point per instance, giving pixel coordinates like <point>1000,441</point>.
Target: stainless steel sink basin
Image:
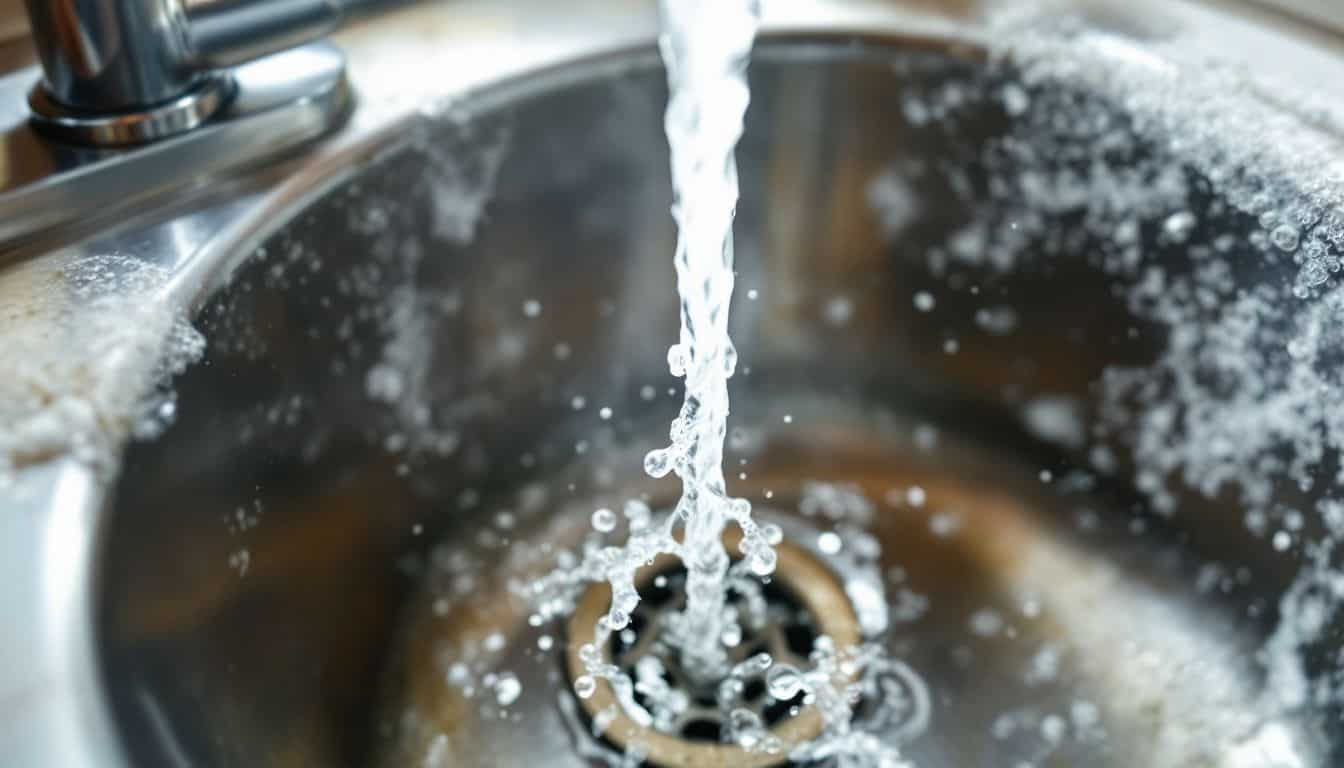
<point>449,349</point>
<point>427,346</point>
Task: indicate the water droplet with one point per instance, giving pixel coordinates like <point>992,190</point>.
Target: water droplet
<point>1052,729</point>
<point>531,308</point>
<point>772,533</point>
<point>1178,226</point>
<point>915,496</point>
<point>839,310</point>
<point>658,462</point>
<point>986,623</point>
<point>763,562</point>
<point>584,686</point>
<point>924,301</point>
<point>604,413</point>
<point>604,521</point>
<point>829,543</point>
<point>507,689</point>
<point>731,636</point>
<point>383,383</point>
<point>783,682</point>
<point>1015,99</point>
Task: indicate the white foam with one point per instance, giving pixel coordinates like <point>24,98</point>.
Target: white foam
<point>90,344</point>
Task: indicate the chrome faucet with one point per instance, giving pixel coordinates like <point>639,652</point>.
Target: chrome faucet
<point>132,71</point>
<point>161,92</point>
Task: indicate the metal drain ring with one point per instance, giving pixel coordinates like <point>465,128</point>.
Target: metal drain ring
<point>801,574</point>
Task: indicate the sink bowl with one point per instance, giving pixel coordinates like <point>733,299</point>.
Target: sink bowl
<point>415,394</point>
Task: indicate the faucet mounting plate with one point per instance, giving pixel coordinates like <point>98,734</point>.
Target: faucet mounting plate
<point>185,113</point>
<point>260,110</point>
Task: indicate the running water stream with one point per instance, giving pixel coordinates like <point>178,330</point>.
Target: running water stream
<point>705,46</point>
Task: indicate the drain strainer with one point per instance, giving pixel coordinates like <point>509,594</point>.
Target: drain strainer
<point>803,600</point>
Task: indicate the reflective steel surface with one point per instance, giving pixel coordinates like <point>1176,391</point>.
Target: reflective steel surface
<point>374,385</point>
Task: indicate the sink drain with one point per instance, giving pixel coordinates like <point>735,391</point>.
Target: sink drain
<point>803,601</point>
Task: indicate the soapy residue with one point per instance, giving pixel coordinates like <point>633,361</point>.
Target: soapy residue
<point>90,343</point>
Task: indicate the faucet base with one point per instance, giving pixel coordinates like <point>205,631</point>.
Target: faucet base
<point>257,110</point>
<point>180,115</point>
